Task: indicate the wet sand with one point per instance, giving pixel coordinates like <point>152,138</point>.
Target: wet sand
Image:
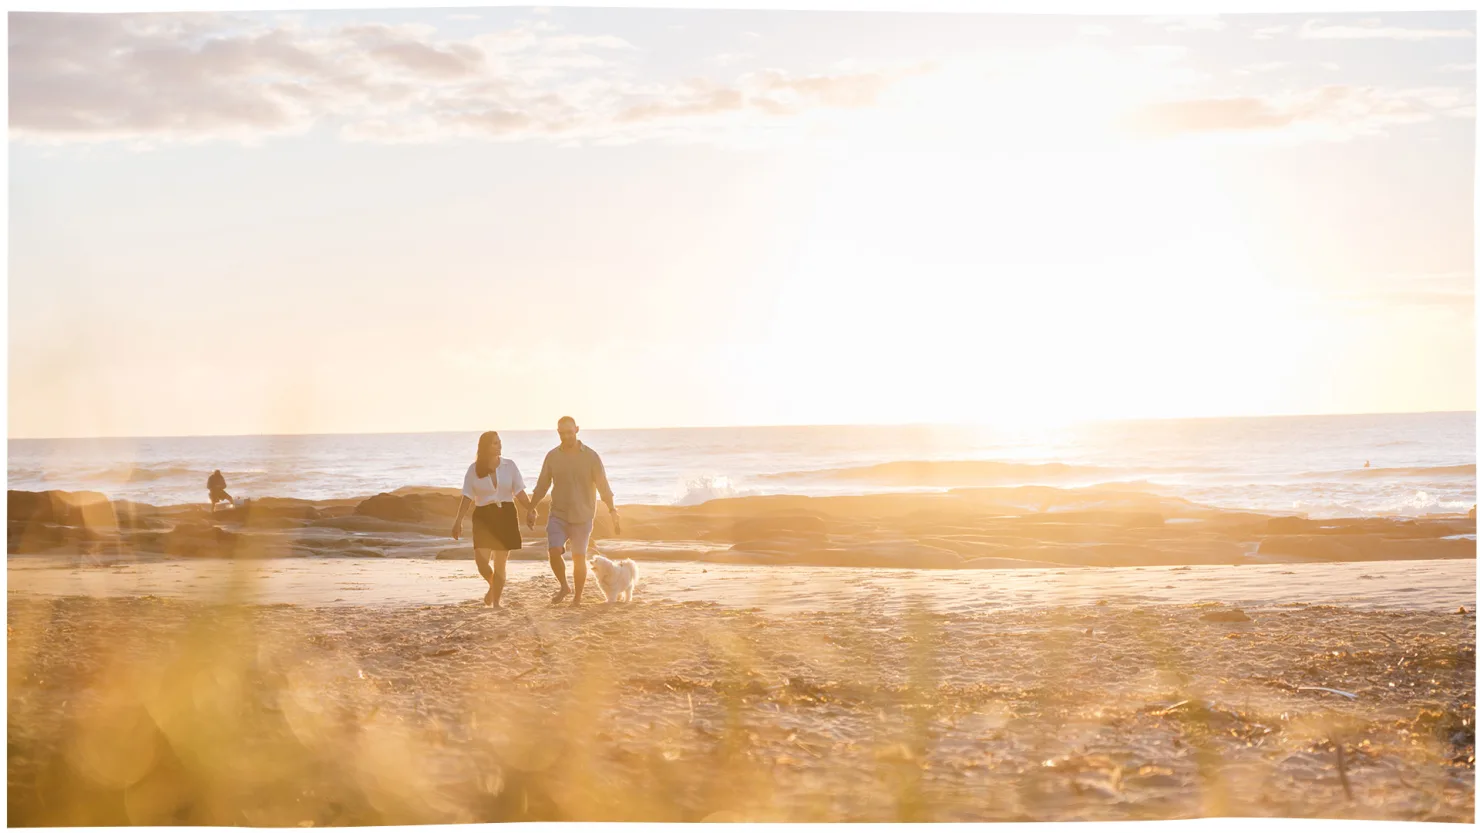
<point>1440,586</point>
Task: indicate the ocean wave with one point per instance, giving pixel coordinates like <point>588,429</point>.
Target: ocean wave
<point>1416,504</point>
<point>126,474</point>
<point>956,472</point>
<point>1466,470</point>
<point>703,489</point>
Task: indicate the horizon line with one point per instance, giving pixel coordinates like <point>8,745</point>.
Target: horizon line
<point>986,425</point>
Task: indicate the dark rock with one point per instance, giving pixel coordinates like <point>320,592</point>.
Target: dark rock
<point>363,523</point>
<point>268,513</point>
<point>1289,526</point>
<point>85,509</point>
<point>413,508</point>
<point>1363,547</point>
<point>200,541</point>
<point>388,507</point>
<point>809,529</point>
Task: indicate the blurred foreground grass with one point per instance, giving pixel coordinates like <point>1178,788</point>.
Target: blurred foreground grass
<point>150,711</point>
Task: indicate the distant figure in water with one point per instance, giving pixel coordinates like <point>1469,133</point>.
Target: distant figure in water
<point>216,484</point>
<point>492,486</point>
<point>1367,465</point>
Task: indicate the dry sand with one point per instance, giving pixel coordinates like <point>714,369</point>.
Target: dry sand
<point>1053,663</point>
<point>158,710</point>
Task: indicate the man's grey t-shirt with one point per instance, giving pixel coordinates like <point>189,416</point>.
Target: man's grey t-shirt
<point>577,475</point>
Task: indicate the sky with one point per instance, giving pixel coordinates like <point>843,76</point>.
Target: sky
<point>424,220</point>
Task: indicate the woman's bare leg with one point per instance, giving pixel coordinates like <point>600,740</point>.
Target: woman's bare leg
<point>481,556</point>
<point>500,574</point>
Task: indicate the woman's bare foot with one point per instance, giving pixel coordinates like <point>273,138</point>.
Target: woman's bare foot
<point>560,595</point>
<point>489,600</point>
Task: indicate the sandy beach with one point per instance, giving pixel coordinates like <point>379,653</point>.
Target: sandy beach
<point>1018,654</point>
<point>152,710</point>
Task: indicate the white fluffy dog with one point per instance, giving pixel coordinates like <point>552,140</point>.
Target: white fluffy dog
<point>618,579</point>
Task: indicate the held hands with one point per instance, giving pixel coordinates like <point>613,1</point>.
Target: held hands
<point>529,518</point>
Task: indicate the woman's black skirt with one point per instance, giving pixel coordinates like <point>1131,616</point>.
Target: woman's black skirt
<point>496,527</point>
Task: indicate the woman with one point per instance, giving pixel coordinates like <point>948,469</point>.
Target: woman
<point>492,486</point>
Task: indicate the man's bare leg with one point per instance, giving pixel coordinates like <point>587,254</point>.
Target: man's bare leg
<point>579,559</point>
<point>557,564</point>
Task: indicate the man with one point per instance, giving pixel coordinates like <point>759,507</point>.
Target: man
<point>216,485</point>
<point>577,475</point>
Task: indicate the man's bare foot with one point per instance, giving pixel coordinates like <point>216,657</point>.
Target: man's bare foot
<point>576,602</point>
<point>560,595</point>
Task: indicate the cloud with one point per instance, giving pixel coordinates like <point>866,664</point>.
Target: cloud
<point>1373,28</point>
<point>1449,290</point>
<point>156,78</point>
<point>1267,66</point>
<point>725,59</point>
<point>1466,67</point>
<point>1329,113</point>
<point>1269,32</point>
<point>1187,23</point>
<point>1162,54</point>
<point>130,76</point>
<point>771,92</point>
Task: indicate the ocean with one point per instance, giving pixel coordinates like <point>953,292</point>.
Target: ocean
<point>1404,465</point>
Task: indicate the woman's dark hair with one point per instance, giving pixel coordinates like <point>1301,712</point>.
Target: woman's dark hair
<point>485,453</point>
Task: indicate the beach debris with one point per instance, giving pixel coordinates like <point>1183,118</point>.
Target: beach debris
<point>1347,694</point>
<point>1173,707</point>
<point>1231,615</point>
<point>1089,631</point>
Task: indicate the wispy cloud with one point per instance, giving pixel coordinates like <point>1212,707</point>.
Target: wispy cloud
<point>164,78</point>
<point>1187,23</point>
<point>1329,113</point>
<point>725,59</point>
<point>1450,290</point>
<point>1266,66</point>
<point>1373,28</point>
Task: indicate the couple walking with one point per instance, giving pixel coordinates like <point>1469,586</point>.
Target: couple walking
<point>572,474</point>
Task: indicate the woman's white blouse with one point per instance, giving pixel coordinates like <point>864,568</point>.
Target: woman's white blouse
<point>481,490</point>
